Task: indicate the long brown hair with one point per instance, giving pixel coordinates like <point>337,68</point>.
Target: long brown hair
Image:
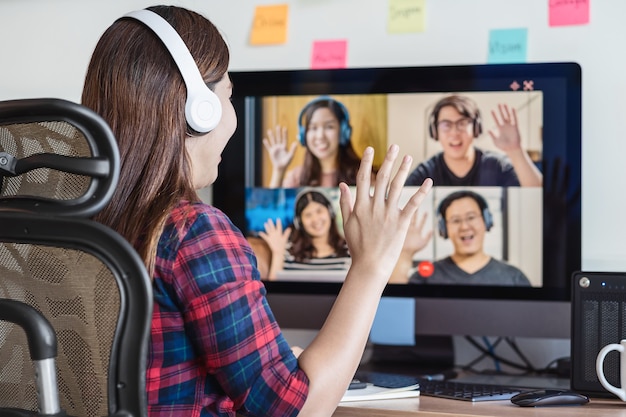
<point>302,247</point>
<point>134,84</point>
<point>347,160</point>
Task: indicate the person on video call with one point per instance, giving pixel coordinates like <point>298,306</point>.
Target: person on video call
<point>315,243</point>
<point>215,347</point>
<point>325,132</point>
<point>464,218</point>
<point>455,122</point>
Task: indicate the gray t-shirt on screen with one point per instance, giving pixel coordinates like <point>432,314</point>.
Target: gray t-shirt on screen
<point>494,273</point>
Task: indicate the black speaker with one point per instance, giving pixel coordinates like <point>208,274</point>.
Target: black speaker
<point>598,319</point>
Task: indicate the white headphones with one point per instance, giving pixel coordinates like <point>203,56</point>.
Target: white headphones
<point>203,109</point>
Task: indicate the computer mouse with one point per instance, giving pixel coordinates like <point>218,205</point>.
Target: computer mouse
<point>549,397</point>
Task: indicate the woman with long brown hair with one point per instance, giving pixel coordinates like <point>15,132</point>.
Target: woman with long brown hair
<point>325,132</point>
<point>215,347</point>
<point>313,243</point>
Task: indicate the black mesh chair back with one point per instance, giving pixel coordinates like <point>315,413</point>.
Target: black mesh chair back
<point>75,298</point>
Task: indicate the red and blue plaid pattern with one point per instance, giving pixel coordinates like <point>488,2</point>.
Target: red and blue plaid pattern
<point>216,348</point>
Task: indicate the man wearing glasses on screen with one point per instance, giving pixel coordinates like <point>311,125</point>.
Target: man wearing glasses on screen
<point>464,218</point>
<point>455,122</point>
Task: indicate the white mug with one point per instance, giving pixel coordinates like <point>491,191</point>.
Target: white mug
<point>620,347</point>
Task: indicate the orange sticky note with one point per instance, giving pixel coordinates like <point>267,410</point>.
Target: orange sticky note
<point>329,54</point>
<point>568,12</point>
<point>270,25</point>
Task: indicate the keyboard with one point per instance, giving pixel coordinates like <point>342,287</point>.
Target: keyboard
<point>456,390</point>
<point>467,391</point>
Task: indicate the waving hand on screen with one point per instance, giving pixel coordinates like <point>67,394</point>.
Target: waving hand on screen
<point>276,145</point>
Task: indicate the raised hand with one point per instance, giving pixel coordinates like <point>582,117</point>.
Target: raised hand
<point>375,225</point>
<point>416,239</point>
<point>506,133</point>
<point>275,237</point>
<point>276,145</point>
<point>277,240</point>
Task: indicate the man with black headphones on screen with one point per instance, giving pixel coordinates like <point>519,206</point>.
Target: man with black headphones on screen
<point>455,122</point>
<point>464,218</point>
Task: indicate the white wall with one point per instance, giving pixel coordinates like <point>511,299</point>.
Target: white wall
<point>45,47</point>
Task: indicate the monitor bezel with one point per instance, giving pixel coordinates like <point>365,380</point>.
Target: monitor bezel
<point>469,78</point>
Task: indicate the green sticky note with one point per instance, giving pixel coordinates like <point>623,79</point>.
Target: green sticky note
<point>507,46</point>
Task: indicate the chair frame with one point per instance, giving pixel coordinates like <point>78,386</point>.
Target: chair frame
<point>126,383</point>
<point>103,166</point>
<point>38,220</point>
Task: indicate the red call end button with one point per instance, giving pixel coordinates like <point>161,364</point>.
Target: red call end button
<point>425,269</point>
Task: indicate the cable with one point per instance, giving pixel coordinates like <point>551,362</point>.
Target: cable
<point>493,355</point>
<point>526,368</point>
<point>511,342</point>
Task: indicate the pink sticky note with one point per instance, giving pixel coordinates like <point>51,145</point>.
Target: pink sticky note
<point>568,12</point>
<point>329,54</point>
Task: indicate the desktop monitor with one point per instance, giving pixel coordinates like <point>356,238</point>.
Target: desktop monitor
<point>535,229</point>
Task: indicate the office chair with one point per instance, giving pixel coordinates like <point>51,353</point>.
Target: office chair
<point>75,297</point>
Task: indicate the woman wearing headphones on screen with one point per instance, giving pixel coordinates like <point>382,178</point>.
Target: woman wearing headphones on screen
<point>316,242</point>
<point>325,132</point>
<point>215,347</point>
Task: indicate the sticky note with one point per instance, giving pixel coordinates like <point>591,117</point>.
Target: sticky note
<point>270,25</point>
<point>507,46</point>
<point>568,12</point>
<point>406,16</point>
<point>329,54</point>
<point>394,323</point>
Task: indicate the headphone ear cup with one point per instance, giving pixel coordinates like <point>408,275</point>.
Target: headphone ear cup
<point>432,129</point>
<point>203,110</point>
<point>441,225</point>
<point>345,133</point>
<point>296,223</point>
<point>301,133</point>
<point>478,126</point>
<point>301,128</point>
<point>488,219</point>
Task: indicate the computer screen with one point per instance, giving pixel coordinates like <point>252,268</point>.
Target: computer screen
<point>523,120</point>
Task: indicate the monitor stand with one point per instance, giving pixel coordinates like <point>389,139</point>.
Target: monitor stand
<point>430,355</point>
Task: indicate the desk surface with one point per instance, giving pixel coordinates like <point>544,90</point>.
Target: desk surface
<point>440,407</point>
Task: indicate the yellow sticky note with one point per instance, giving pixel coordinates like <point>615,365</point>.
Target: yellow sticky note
<point>406,16</point>
<point>270,25</point>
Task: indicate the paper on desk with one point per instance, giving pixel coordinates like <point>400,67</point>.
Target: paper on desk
<point>372,392</point>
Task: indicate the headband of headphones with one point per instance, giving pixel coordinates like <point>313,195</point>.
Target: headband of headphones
<point>480,200</point>
<point>345,130</point>
<point>203,109</point>
<point>304,193</point>
<point>455,101</point>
